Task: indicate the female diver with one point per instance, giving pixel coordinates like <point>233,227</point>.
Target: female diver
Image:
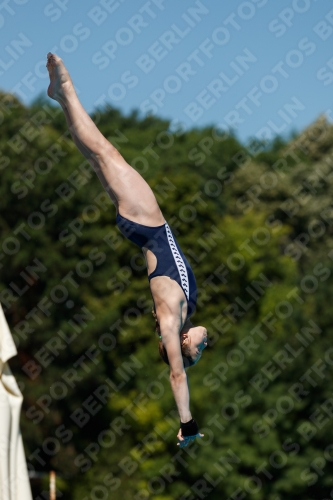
<point>140,219</point>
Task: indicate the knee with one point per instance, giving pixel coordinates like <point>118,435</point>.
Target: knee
<point>105,150</point>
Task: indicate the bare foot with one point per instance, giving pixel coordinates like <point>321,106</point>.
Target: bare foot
<point>60,82</point>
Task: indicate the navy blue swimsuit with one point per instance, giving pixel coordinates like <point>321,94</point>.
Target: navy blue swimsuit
<point>171,261</point>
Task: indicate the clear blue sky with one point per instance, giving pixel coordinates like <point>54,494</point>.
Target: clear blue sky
<point>259,66</point>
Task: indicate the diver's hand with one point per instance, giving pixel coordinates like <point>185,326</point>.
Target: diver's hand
<point>185,440</point>
<point>188,432</point>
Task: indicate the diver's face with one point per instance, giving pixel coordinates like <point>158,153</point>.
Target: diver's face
<point>196,337</point>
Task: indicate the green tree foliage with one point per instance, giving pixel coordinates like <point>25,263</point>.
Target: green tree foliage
<point>256,225</point>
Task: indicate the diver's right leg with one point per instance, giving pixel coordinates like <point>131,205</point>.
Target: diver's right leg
<point>128,190</point>
<point>93,161</point>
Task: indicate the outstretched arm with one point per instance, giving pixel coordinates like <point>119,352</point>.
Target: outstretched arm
<point>181,394</point>
<point>178,380</point>
<point>169,328</point>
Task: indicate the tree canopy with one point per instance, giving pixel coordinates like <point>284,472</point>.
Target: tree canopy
<point>256,225</point>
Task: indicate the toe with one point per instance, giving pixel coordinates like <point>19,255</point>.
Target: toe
<point>56,58</point>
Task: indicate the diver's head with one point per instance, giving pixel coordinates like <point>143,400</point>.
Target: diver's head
<point>193,340</point>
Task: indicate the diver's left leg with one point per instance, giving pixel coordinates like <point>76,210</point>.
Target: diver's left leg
<point>128,190</point>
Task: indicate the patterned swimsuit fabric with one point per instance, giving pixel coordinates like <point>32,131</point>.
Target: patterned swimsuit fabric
<point>171,261</point>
